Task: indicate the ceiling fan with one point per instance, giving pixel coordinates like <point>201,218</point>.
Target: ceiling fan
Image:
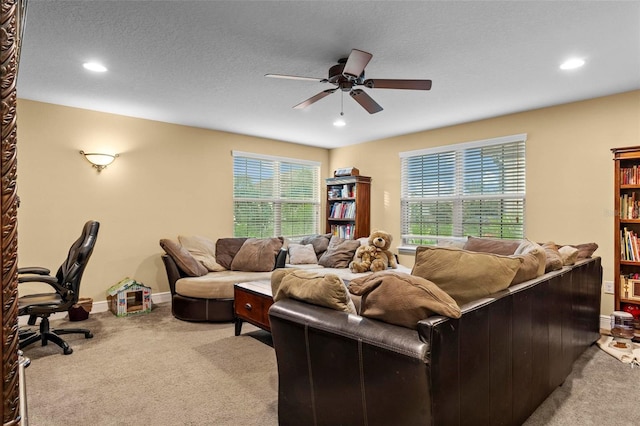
<point>349,73</point>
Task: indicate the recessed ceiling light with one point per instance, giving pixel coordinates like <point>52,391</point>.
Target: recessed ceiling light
<point>572,63</point>
<point>94,66</point>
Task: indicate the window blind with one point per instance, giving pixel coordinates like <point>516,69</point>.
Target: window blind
<point>475,188</point>
<point>275,196</point>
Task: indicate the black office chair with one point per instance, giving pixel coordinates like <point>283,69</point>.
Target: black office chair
<point>66,284</point>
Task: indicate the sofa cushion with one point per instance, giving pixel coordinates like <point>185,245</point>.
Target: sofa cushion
<point>529,268</point>
<point>401,299</point>
<point>203,250</point>
<point>491,245</point>
<point>187,263</point>
<point>528,246</point>
<point>554,259</point>
<point>569,254</point>
<point>328,290</point>
<point>319,243</point>
<point>585,251</point>
<point>464,275</point>
<point>302,254</point>
<point>226,249</point>
<point>257,255</point>
<point>216,285</point>
<point>339,253</point>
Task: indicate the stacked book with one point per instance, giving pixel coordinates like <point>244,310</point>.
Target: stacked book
<point>629,245</point>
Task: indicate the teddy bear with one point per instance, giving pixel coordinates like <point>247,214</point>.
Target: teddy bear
<point>377,251</point>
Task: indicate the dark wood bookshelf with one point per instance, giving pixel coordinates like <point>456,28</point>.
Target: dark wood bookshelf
<point>348,206</point>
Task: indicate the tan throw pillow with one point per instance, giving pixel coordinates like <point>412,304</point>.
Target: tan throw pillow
<point>339,253</point>
<point>528,246</point>
<point>466,276</point>
<point>529,268</point>
<point>554,259</point>
<point>226,249</point>
<point>302,254</point>
<point>401,299</point>
<point>328,291</point>
<point>183,258</point>
<point>257,255</point>
<point>203,250</point>
<point>569,255</point>
<point>491,245</point>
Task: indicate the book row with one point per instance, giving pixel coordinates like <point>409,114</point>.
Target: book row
<point>630,175</point>
<point>629,248</point>
<point>343,231</point>
<point>343,210</point>
<point>630,206</point>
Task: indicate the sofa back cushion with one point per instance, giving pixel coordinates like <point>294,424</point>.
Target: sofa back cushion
<point>401,299</point>
<point>226,249</point>
<point>339,253</point>
<point>319,243</point>
<point>466,276</point>
<point>257,255</point>
<point>187,263</point>
<point>302,254</point>
<point>203,250</point>
<point>491,245</point>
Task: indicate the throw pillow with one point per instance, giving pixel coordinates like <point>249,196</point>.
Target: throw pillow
<point>491,245</point>
<point>529,268</point>
<point>401,299</point>
<point>466,276</point>
<point>302,254</point>
<point>554,259</point>
<point>339,253</point>
<point>528,246</point>
<point>585,251</point>
<point>183,258</point>
<point>226,249</point>
<point>203,250</point>
<point>569,255</point>
<point>319,243</point>
<point>328,290</point>
<point>257,255</point>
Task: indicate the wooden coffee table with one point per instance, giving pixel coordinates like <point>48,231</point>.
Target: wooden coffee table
<point>252,301</point>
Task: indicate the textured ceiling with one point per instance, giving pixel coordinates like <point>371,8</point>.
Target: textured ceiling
<point>202,63</point>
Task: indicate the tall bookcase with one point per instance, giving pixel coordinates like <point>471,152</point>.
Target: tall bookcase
<point>348,206</point>
<point>627,230</point>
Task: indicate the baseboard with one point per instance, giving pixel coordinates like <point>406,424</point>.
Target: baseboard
<point>102,306</point>
<point>605,322</point>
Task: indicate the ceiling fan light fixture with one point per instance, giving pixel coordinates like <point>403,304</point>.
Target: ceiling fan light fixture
<point>339,122</point>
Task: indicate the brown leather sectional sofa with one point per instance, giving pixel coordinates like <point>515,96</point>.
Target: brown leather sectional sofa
<point>494,365</point>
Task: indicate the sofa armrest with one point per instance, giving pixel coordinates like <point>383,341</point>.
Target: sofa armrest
<point>173,272</point>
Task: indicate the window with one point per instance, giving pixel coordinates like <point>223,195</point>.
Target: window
<point>275,196</point>
<point>475,188</point>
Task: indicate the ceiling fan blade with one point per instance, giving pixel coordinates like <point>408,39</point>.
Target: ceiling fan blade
<point>365,101</point>
<point>398,84</point>
<point>356,62</point>
<point>314,99</point>
<point>296,77</point>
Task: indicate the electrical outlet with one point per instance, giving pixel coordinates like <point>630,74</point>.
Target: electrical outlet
<point>608,287</point>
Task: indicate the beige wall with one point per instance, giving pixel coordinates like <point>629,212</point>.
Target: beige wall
<point>569,169</point>
<point>174,180</point>
<point>168,180</point>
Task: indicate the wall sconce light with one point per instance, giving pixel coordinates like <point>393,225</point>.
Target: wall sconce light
<point>98,160</point>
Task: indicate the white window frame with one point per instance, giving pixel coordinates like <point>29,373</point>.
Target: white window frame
<point>276,198</point>
<point>457,197</point>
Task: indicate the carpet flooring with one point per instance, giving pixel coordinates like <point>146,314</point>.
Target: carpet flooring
<point>155,369</point>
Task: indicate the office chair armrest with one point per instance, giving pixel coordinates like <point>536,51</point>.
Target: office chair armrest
<point>48,279</point>
<point>34,270</point>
